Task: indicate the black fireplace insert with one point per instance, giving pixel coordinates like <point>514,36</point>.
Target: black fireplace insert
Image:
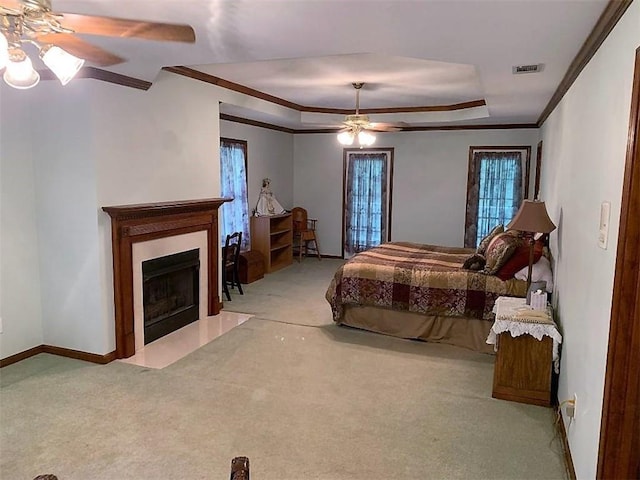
<point>171,286</point>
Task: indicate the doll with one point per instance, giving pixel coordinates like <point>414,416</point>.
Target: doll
<point>267,203</point>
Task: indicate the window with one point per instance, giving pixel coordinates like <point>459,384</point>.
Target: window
<point>233,184</point>
<point>367,198</point>
<point>498,176</point>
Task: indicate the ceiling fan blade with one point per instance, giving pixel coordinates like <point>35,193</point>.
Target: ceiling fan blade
<point>11,4</point>
<point>383,128</point>
<point>78,47</point>
<point>387,127</point>
<point>120,27</point>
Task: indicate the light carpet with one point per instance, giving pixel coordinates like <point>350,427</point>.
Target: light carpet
<point>319,402</point>
<point>294,294</point>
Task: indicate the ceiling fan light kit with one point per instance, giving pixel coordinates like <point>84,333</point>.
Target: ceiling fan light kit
<point>358,126</point>
<point>365,138</point>
<point>62,63</point>
<point>19,72</point>
<point>33,22</point>
<point>346,138</point>
<point>16,28</point>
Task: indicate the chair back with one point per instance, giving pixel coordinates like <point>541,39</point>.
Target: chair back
<point>231,249</point>
<point>299,219</point>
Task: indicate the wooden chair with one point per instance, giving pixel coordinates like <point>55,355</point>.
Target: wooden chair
<point>304,233</point>
<point>230,259</point>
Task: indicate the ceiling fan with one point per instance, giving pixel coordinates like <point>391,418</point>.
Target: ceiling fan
<point>358,126</point>
<point>362,121</point>
<point>53,33</point>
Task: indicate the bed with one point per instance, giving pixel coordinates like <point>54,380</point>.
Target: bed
<point>419,291</point>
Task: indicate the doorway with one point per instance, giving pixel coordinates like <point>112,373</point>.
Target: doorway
<point>619,452</point>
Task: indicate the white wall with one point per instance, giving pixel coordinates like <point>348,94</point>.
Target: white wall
<point>97,144</point>
<point>585,141</point>
<point>429,181</point>
<point>19,269</point>
<point>101,144</point>
<point>67,228</point>
<point>269,155</point>
<point>153,146</point>
<point>158,145</point>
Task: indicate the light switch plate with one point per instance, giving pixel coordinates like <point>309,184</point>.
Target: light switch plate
<point>603,233</point>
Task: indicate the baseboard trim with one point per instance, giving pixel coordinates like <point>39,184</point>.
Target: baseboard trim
<point>60,351</point>
<point>562,431</point>
<point>21,356</point>
<point>336,257</point>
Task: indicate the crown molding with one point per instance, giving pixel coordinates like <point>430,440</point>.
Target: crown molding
<point>236,87</point>
<point>104,76</point>
<point>497,126</point>
<point>608,19</point>
<point>118,79</point>
<point>417,109</point>
<point>506,126</point>
<point>255,123</point>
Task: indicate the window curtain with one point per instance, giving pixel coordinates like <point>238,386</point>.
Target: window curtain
<point>494,193</point>
<point>365,209</point>
<point>233,179</point>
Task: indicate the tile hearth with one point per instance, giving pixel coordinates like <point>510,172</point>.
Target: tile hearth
<point>178,344</point>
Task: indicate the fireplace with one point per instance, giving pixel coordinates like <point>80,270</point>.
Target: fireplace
<point>170,289</point>
<point>137,224</point>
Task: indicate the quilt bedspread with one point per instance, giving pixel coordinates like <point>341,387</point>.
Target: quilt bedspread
<point>417,278</point>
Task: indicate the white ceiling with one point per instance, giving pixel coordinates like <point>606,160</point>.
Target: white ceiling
<point>409,53</point>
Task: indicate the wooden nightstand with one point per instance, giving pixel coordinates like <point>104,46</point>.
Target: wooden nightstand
<point>527,352</point>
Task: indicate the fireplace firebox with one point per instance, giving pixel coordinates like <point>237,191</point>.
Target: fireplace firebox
<point>170,293</point>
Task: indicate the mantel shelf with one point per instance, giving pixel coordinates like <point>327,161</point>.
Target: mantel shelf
<point>142,210</point>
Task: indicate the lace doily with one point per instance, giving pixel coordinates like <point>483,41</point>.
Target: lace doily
<point>505,322</point>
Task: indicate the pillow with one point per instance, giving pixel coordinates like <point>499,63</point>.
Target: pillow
<point>541,272</point>
<point>484,243</point>
<point>520,259</point>
<point>500,249</point>
<point>474,262</point>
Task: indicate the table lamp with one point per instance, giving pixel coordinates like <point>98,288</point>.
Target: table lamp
<point>532,218</point>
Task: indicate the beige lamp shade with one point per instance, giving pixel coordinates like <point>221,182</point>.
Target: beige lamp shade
<point>532,217</point>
